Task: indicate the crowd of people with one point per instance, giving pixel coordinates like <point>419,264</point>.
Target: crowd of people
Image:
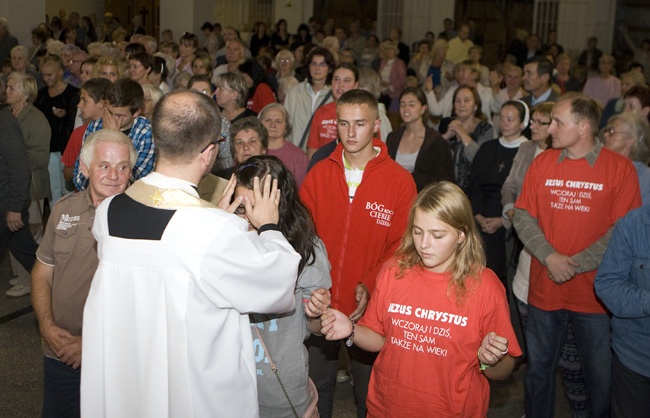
<point>228,218</point>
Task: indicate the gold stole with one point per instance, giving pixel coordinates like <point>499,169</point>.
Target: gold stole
<point>157,197</point>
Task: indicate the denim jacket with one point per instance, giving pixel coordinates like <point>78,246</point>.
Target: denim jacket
<point>623,284</point>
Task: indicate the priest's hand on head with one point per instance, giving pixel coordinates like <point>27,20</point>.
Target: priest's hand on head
<point>265,207</point>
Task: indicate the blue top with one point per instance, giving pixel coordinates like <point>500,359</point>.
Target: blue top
<point>623,284</point>
<point>643,171</point>
<point>142,138</point>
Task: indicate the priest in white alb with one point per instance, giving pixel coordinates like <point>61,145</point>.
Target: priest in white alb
<point>166,330</point>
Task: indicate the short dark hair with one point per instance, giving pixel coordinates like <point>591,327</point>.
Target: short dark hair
<point>183,122</point>
<point>329,59</point>
<point>126,93</point>
<point>134,48</point>
<point>358,97</point>
<point>143,58</point>
<point>160,67</point>
<point>250,123</point>
<point>207,25</point>
<point>189,37</point>
<point>641,93</point>
<point>544,66</point>
<point>477,100</point>
<point>583,108</point>
<point>422,98</point>
<point>256,72</point>
<point>40,34</point>
<point>348,66</point>
<point>96,88</point>
<point>196,78</point>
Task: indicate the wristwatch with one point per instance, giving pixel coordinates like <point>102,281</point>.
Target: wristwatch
<point>349,341</point>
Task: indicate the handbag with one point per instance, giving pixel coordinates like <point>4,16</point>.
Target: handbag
<point>312,409</point>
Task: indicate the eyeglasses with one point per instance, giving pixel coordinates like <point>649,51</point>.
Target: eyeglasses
<point>208,145</point>
<point>539,122</point>
<point>609,130</point>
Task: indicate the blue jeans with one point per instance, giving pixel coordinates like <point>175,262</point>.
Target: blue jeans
<point>60,390</point>
<point>57,181</point>
<point>545,336</point>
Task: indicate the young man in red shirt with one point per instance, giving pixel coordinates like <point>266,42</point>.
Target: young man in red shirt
<point>359,199</point>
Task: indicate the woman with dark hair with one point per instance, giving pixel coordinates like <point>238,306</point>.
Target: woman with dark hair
<point>417,147</point>
<point>490,168</point>
<point>637,101</point>
<point>88,27</point>
<point>465,130</point>
<point>305,98</point>
<point>303,35</point>
<point>280,38</point>
<point>159,73</point>
<point>69,37</point>
<point>260,89</point>
<point>39,40</point>
<point>259,38</point>
<point>280,338</point>
<point>187,46</point>
<point>132,49</point>
<point>140,66</point>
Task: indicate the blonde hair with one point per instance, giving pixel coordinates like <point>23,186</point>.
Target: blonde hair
<point>448,203</point>
<point>106,60</point>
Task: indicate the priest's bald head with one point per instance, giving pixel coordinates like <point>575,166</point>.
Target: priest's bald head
<point>186,126</point>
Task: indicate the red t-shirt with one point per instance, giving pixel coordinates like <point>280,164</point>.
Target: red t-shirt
<point>73,148</point>
<point>428,365</point>
<point>575,204</point>
<point>263,95</point>
<point>323,128</point>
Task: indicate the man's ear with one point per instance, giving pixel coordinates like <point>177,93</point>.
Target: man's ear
<point>84,169</point>
<point>377,125</point>
<point>137,113</point>
<point>209,156</point>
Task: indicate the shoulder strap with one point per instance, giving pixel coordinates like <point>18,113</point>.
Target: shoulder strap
<point>306,133</point>
<point>275,371</point>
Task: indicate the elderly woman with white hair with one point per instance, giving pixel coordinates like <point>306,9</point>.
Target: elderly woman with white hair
<point>277,122</point>
<point>20,93</point>
<point>629,135</point>
<point>285,64</point>
<point>20,63</point>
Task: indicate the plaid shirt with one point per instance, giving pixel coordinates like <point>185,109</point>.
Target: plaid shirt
<point>142,139</point>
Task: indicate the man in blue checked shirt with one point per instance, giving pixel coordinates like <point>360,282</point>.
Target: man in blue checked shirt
<point>124,102</point>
